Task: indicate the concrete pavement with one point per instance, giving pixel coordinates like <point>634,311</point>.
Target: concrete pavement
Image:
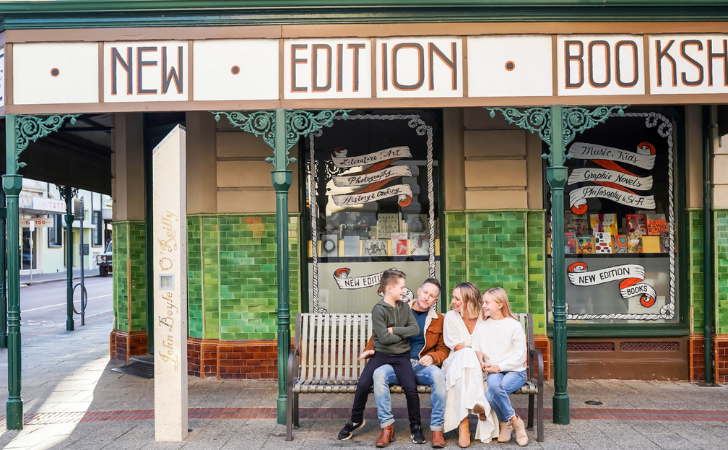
<point>73,400</point>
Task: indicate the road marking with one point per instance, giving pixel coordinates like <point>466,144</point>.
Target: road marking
<point>61,304</point>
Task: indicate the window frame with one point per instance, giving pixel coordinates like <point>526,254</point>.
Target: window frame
<point>57,230</point>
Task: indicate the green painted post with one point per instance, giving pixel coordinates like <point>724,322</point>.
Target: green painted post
<point>707,248</point>
<point>13,184</point>
<point>69,257</point>
<point>556,176</point>
<point>282,182</point>
<point>3,275</point>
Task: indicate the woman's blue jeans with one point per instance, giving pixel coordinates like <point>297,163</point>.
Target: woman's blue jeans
<point>429,376</point>
<point>499,386</point>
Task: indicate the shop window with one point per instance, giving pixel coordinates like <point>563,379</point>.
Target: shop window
<point>621,224</point>
<point>371,197</point>
<point>98,233</point>
<point>55,233</point>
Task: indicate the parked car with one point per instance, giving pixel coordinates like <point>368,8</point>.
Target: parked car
<point>104,261</point>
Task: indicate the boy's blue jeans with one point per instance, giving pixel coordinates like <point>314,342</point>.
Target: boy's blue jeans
<point>429,376</point>
<point>499,386</point>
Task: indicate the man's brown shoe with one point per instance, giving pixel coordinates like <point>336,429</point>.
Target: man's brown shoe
<point>387,437</point>
<point>437,440</point>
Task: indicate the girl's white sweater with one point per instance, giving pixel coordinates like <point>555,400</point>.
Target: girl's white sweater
<point>504,343</point>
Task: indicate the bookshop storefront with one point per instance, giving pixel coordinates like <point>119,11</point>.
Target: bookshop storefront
<point>423,159</point>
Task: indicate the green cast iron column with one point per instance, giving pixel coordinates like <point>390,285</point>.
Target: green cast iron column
<point>282,182</point>
<point>556,176</point>
<point>707,248</point>
<point>3,275</point>
<point>13,184</point>
<point>69,257</point>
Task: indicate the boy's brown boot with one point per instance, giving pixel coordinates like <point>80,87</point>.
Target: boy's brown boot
<point>521,436</point>
<point>464,433</point>
<point>437,440</point>
<point>387,437</point>
<point>505,432</point>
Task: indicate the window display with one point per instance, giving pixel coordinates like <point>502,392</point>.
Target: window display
<point>620,241</point>
<point>371,193</point>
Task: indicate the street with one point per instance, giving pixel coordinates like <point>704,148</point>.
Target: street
<point>44,305</point>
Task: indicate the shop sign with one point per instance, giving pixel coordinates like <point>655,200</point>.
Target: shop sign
<point>146,71</point>
<point>36,223</point>
<point>689,64</point>
<point>327,68</point>
<point>48,204</point>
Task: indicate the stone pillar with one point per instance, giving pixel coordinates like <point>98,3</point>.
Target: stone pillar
<point>129,336</point>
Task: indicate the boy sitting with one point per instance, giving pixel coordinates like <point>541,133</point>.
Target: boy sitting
<point>393,323</point>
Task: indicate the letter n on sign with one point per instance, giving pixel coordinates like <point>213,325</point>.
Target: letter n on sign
<point>170,287</point>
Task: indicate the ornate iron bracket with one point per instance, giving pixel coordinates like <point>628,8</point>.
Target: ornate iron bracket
<point>31,128</point>
<point>575,120</point>
<point>298,123</point>
<point>62,191</point>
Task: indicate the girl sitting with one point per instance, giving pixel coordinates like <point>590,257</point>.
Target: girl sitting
<point>500,343</point>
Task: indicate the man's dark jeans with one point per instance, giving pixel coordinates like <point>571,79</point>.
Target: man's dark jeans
<point>406,376</point>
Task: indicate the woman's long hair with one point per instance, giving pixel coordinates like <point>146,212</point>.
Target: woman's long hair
<point>499,295</point>
<point>472,301</point>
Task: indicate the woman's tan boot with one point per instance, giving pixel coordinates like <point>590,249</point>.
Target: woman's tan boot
<point>464,433</point>
<point>505,432</point>
<point>521,436</point>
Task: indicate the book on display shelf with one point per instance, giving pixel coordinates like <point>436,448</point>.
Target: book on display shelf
<point>656,224</point>
<point>636,223</point>
<point>585,244</point>
<point>399,244</point>
<point>634,242</point>
<point>621,244</point>
<point>329,245</point>
<point>604,223</point>
<point>569,243</point>
<point>374,247</point>
<point>419,244</point>
<point>351,246</point>
<point>603,242</point>
<point>576,223</point>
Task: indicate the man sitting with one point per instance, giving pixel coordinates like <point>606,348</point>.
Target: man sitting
<point>427,351</point>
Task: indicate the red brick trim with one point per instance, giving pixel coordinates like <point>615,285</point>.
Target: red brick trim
<point>696,357</point>
<point>123,344</point>
<point>720,355</point>
<point>543,343</point>
<point>232,360</point>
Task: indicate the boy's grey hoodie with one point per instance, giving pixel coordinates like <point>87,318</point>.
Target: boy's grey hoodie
<point>403,324</point>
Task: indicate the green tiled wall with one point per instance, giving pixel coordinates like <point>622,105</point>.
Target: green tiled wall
<point>232,276</point>
<point>498,248</point>
<point>696,268</point>
<point>721,270</point>
<point>129,243</point>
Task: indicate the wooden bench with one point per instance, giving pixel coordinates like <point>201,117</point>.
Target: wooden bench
<point>324,361</point>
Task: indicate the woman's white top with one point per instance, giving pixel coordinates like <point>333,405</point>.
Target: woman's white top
<point>455,332</point>
<point>503,341</point>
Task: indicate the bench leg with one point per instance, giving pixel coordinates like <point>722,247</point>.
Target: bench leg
<point>539,436</point>
<point>295,411</point>
<point>289,420</point>
<point>530,412</point>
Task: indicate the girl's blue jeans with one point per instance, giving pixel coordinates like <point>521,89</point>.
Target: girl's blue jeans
<point>499,386</point>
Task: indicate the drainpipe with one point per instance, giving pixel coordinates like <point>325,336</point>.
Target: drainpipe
<point>708,130</point>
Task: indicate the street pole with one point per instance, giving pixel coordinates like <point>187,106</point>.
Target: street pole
<point>281,179</point>
<point>3,275</point>
<point>13,184</point>
<point>30,244</point>
<point>81,261</point>
<point>69,258</point>
<point>556,176</point>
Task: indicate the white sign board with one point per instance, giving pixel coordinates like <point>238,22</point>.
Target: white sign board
<point>601,65</point>
<point>49,204</point>
<point>170,287</point>
<point>689,64</point>
<point>146,71</point>
<point>327,68</point>
<point>36,223</point>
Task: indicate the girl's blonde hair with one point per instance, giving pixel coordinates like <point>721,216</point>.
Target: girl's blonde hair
<point>499,295</point>
<point>472,301</point>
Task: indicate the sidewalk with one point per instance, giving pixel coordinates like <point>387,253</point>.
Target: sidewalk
<point>39,278</point>
<point>73,400</point>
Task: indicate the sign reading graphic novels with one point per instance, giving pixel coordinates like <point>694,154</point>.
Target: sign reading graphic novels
<point>327,68</point>
<point>684,64</point>
<point>146,71</point>
<point>416,67</point>
<point>600,65</point>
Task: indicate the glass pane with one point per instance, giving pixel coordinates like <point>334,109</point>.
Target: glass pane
<point>621,241</point>
<point>372,197</point>
<point>27,250</point>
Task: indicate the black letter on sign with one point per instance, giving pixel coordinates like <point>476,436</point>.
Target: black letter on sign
<point>636,76</point>
<point>697,65</point>
<point>356,48</point>
<point>420,67</point>
<point>568,57</point>
<point>451,63</point>
<point>660,53</point>
<point>127,65</point>
<point>314,64</point>
<point>339,67</point>
<point>140,65</point>
<point>294,61</point>
<point>177,74</point>
<point>607,64</point>
<point>712,56</point>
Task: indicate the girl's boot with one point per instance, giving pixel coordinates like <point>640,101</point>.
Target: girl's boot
<point>505,432</point>
<point>521,436</point>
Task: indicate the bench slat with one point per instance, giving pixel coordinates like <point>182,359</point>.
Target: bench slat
<point>304,348</point>
<point>340,350</point>
<point>319,347</point>
<point>347,349</point>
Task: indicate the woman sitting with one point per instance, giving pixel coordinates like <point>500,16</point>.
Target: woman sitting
<point>501,344</point>
<point>463,371</point>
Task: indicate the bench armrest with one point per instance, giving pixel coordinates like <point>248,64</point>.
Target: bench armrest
<point>293,365</point>
<point>539,357</point>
